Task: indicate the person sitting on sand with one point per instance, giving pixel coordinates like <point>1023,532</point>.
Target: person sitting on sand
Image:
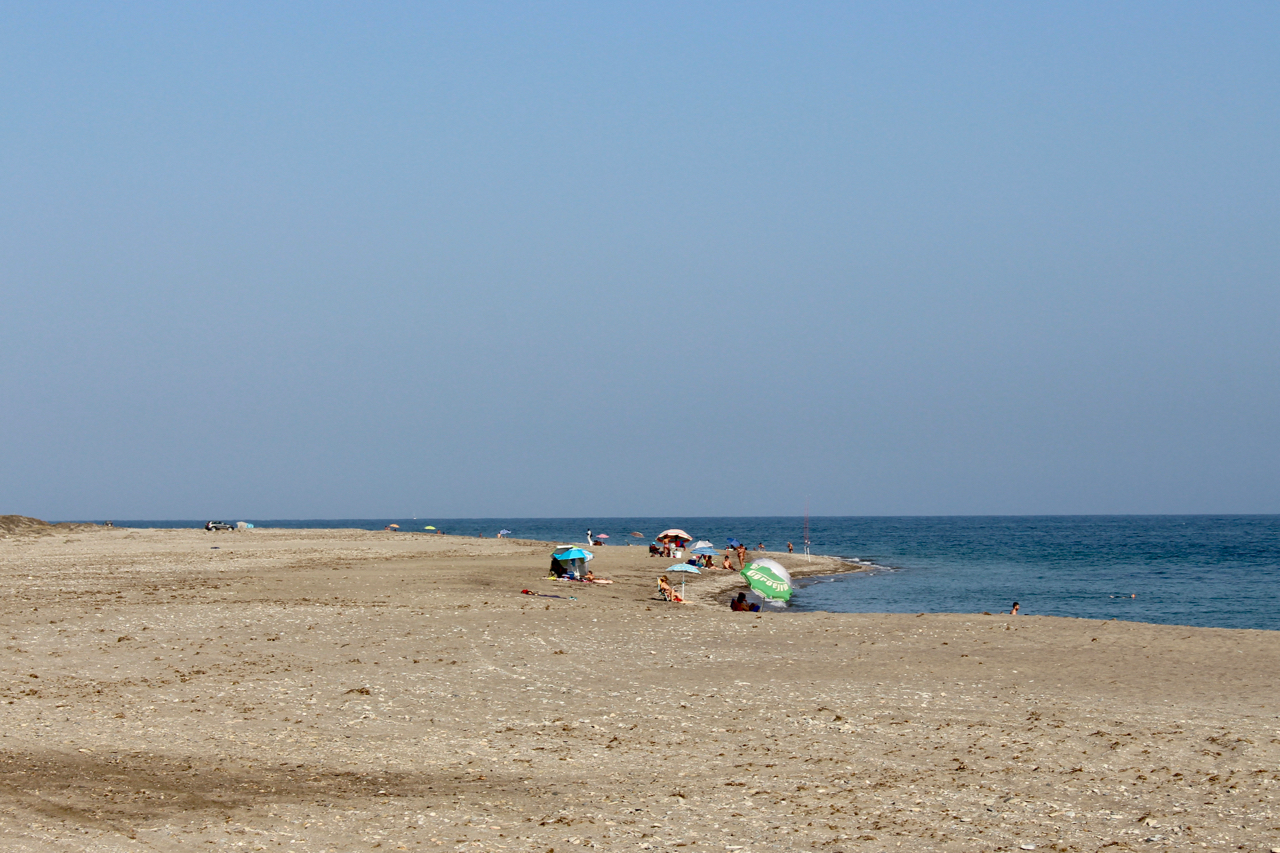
<point>728,564</point>
<point>669,593</point>
<point>589,577</point>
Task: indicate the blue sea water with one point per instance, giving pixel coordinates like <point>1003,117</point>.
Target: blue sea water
<point>1209,571</point>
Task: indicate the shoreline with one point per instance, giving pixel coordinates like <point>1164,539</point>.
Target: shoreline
<point>713,585</point>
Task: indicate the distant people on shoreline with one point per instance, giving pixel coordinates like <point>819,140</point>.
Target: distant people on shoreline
<point>1014,611</point>
<point>790,549</point>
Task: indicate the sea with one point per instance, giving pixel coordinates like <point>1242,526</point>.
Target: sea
<point>1219,571</point>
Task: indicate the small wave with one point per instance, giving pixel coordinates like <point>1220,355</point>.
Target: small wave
<point>864,565</point>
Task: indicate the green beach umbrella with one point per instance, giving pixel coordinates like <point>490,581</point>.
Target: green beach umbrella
<point>768,579</point>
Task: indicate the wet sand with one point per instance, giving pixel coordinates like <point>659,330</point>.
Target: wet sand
<point>350,691</point>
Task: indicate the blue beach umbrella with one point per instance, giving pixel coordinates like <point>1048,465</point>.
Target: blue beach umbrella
<point>503,532</point>
<point>734,543</point>
<point>571,558</point>
<point>708,551</point>
<point>683,567</point>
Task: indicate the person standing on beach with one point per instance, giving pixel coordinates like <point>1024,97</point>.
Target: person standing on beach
<point>742,556</point>
<point>790,548</point>
<point>1014,611</point>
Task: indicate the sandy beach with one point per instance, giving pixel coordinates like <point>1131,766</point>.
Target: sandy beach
<point>345,690</point>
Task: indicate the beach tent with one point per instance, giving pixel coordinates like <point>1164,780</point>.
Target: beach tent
<point>569,559</point>
<point>768,579</point>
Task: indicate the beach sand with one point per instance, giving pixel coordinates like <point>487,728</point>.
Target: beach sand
<point>344,690</point>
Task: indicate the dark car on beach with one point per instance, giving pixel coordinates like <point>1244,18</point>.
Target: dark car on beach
<point>217,525</point>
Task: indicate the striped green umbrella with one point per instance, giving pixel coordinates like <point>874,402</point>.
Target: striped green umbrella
<point>768,579</point>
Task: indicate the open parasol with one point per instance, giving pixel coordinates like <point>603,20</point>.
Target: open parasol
<point>687,569</point>
<point>768,579</point>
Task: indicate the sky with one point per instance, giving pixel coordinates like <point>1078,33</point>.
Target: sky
<point>330,260</point>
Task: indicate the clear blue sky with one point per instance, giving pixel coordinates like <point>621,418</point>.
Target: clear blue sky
<point>492,259</point>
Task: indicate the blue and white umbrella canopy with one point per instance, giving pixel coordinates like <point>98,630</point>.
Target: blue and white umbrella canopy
<point>686,568</point>
<point>709,551</point>
<point>566,554</point>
